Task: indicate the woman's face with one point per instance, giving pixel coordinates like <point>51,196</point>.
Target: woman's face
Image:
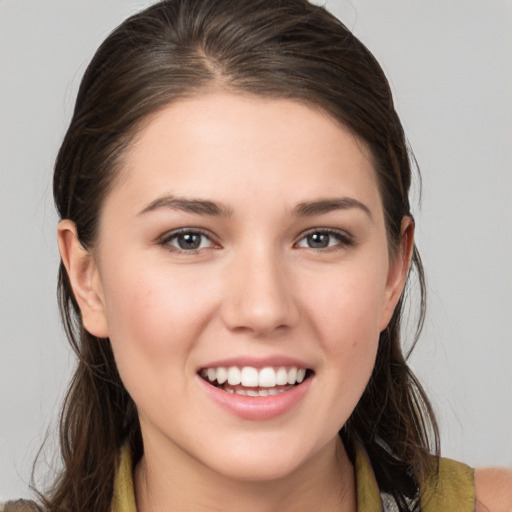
<point>243,239</point>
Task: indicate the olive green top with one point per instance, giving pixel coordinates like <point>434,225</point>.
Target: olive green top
<point>453,491</point>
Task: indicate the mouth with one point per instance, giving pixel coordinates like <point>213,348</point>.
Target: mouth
<point>255,382</point>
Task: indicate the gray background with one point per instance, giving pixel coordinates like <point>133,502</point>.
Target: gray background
<point>450,66</point>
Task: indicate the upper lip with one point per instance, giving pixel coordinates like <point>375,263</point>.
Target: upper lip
<point>260,362</point>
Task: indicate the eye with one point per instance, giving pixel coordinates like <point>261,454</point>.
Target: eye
<point>324,239</point>
<point>187,240</point>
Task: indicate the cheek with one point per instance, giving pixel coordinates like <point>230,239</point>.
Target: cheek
<point>345,316</point>
<point>154,318</point>
<point>348,309</point>
<point>144,300</point>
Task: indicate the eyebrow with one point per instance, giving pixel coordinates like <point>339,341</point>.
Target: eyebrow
<point>205,207</point>
<point>323,206</point>
<point>199,206</point>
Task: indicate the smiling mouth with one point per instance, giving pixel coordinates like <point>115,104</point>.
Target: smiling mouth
<point>250,381</point>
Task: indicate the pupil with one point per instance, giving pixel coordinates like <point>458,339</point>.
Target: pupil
<point>189,241</point>
<point>318,240</point>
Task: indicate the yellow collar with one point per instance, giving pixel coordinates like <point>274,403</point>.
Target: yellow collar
<point>124,495</point>
<point>368,497</point>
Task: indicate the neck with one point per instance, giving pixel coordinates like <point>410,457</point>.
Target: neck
<point>327,478</point>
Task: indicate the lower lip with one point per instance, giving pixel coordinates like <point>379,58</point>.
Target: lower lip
<point>259,407</point>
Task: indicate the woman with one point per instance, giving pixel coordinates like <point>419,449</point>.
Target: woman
<point>235,240</point>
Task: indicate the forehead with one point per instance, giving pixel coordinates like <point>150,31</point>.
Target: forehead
<point>231,146</point>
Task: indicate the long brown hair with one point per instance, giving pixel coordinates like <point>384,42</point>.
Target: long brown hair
<point>271,48</point>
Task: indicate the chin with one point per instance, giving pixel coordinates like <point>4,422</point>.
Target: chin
<point>259,470</point>
<point>253,461</point>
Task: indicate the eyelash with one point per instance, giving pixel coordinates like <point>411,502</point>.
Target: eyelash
<point>343,240</point>
<point>173,235</point>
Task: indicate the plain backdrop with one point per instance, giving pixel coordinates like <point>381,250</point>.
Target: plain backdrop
<point>450,66</point>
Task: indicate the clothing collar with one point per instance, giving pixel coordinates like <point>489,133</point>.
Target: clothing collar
<point>124,493</point>
<point>368,496</point>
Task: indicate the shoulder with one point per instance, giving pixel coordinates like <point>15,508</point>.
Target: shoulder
<point>449,485</point>
<point>493,490</point>
<point>20,506</point>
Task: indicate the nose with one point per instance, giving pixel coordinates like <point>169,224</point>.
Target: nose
<point>258,295</point>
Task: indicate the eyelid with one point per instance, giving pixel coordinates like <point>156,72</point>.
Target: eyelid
<point>165,239</point>
<point>345,238</point>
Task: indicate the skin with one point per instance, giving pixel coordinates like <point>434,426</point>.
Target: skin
<point>493,490</point>
<point>254,288</point>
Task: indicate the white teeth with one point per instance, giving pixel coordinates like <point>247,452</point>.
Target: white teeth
<point>292,375</point>
<point>222,375</point>
<point>212,374</point>
<point>250,377</point>
<point>259,392</point>
<point>267,378</point>
<point>234,376</point>
<point>281,377</point>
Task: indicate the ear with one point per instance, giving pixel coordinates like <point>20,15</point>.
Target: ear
<point>84,278</point>
<point>398,270</point>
